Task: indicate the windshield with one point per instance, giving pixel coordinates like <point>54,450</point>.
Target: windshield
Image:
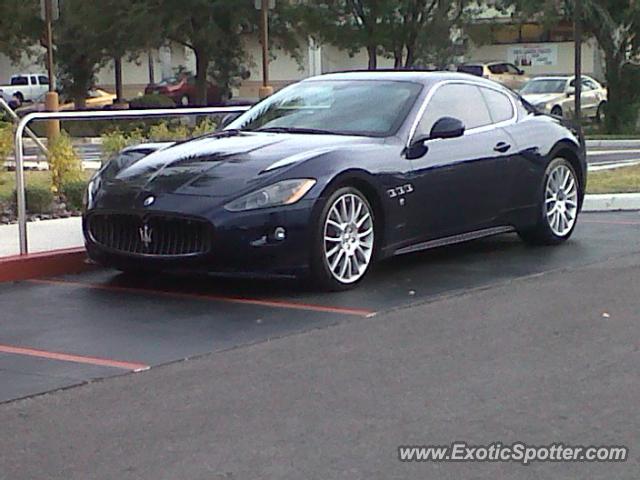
<point>367,108</point>
<point>544,86</point>
<point>472,69</point>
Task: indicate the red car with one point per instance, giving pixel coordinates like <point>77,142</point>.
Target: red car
<point>182,90</point>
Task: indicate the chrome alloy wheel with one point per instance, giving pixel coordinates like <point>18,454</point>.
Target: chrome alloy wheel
<point>561,200</point>
<point>348,238</point>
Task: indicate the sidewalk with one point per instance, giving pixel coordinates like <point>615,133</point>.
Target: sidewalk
<point>43,236</point>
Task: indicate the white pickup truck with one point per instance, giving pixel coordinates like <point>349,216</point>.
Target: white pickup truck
<point>26,87</point>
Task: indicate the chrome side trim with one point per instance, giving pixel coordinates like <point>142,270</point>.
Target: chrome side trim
<point>463,237</point>
<point>485,128</point>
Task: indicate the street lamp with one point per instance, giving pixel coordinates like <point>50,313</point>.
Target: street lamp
<point>50,11</point>
<point>264,6</point>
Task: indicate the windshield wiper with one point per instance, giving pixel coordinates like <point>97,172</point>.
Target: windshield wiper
<point>311,131</point>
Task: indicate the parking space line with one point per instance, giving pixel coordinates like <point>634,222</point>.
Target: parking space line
<point>359,312</point>
<point>66,357</point>
<point>611,222</point>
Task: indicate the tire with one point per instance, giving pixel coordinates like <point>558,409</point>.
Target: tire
<point>558,206</point>
<point>557,111</point>
<point>600,113</point>
<point>184,101</point>
<point>343,248</point>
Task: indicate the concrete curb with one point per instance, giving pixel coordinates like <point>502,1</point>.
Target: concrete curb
<point>611,202</point>
<point>615,144</point>
<point>46,264</point>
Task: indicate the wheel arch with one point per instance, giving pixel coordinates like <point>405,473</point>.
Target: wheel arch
<point>567,150</point>
<point>364,182</point>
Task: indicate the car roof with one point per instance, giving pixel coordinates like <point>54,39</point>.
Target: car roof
<point>560,77</point>
<point>416,76</point>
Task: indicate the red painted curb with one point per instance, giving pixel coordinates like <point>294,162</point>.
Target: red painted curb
<point>45,264</point>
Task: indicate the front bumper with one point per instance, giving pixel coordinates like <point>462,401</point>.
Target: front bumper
<point>242,243</point>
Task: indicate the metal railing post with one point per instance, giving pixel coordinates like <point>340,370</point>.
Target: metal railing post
<point>88,115</point>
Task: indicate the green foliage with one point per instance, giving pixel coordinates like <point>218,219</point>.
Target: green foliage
<point>6,140</point>
<point>615,24</point>
<point>409,31</point>
<point>113,142</point>
<point>165,132</point>
<point>64,162</point>
<point>151,101</point>
<point>20,27</point>
<point>39,199</point>
<point>73,193</point>
<point>203,127</point>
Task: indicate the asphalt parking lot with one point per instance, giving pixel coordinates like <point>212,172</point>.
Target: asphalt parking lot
<point>465,313</point>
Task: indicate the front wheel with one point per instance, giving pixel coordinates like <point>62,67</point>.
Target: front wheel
<point>557,111</point>
<point>345,240</point>
<point>559,205</point>
<point>601,112</point>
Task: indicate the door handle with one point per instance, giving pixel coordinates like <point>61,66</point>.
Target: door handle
<point>502,147</point>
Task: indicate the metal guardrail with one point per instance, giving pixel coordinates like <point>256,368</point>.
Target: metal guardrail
<point>16,119</point>
<point>88,115</point>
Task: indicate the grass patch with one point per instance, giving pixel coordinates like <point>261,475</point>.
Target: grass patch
<point>616,180</point>
<point>32,178</point>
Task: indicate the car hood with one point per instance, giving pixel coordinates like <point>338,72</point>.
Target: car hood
<point>538,98</point>
<point>222,165</point>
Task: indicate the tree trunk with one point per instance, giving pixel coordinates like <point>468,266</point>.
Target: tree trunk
<point>398,57</point>
<point>616,101</point>
<point>411,58</point>
<point>202,66</point>
<point>118,74</point>
<point>80,101</point>
<point>372,50</point>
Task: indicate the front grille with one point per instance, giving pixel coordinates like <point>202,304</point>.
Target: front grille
<point>151,234</point>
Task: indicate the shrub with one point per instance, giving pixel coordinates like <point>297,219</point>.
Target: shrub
<point>6,140</point>
<point>39,199</point>
<point>73,192</point>
<point>164,132</point>
<point>64,163</point>
<point>151,101</point>
<point>203,127</point>
<point>113,142</point>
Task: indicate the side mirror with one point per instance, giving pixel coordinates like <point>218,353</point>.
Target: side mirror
<point>571,92</point>
<point>447,127</point>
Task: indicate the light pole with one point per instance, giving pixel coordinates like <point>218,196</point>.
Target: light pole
<point>577,32</point>
<point>264,5</point>
<point>50,13</point>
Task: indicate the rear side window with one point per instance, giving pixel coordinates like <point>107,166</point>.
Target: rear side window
<point>43,80</point>
<point>499,105</point>
<point>472,69</point>
<point>19,81</point>
<point>464,102</point>
<point>498,68</point>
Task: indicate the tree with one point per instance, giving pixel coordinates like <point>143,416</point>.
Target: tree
<point>127,28</point>
<point>615,24</point>
<point>211,29</point>
<point>20,27</point>
<point>405,30</point>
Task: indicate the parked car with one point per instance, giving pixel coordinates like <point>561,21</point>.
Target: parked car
<point>25,87</point>
<point>502,72</point>
<point>556,95</point>
<point>97,99</point>
<point>322,179</point>
<point>182,90</point>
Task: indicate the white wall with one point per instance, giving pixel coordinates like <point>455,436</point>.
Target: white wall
<point>591,58</point>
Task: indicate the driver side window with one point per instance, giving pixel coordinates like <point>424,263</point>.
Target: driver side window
<point>461,101</point>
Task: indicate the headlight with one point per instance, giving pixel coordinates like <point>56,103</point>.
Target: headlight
<point>285,192</point>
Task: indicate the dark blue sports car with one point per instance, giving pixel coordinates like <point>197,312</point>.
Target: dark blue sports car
<point>335,172</point>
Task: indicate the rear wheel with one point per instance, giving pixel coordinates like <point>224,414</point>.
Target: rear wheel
<point>557,111</point>
<point>601,113</point>
<point>184,101</point>
<point>344,246</point>
<point>559,205</point>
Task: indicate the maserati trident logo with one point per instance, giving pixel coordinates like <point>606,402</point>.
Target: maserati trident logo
<point>146,235</point>
<point>149,201</point>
